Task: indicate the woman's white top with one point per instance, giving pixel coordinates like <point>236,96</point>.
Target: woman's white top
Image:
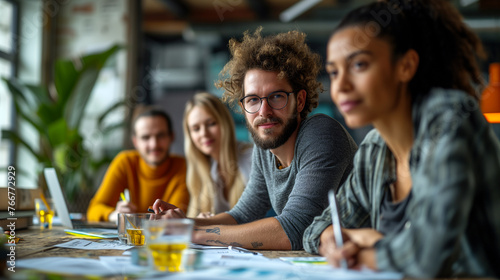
<point>221,204</point>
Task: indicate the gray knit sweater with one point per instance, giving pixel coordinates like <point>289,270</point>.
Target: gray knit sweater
<point>323,156</point>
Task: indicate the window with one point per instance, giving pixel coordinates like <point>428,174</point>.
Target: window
<point>8,29</point>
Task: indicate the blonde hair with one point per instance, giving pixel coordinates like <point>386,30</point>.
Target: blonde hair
<point>199,181</point>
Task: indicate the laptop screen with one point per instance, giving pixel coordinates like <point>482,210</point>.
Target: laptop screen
<point>57,197</point>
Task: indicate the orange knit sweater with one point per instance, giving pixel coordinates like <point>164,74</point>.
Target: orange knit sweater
<point>145,184</point>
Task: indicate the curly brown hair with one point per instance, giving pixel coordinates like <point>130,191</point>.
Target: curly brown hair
<point>285,53</point>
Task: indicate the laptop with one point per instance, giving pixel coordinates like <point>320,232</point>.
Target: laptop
<point>75,227</point>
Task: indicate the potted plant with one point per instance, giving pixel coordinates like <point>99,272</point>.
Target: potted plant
<point>56,112</point>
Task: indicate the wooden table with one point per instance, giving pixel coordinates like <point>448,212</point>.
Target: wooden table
<point>36,243</point>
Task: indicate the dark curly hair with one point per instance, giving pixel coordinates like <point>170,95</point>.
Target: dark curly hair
<point>447,48</point>
<point>285,53</point>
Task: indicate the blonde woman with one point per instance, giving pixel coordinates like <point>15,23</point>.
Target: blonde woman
<point>218,166</point>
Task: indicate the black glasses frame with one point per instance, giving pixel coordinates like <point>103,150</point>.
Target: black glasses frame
<point>267,98</point>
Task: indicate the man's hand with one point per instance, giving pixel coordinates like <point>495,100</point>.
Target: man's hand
<point>122,207</point>
<point>205,215</point>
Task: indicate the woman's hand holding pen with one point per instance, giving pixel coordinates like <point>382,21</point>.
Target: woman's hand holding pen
<point>363,237</point>
<point>328,248</point>
<point>357,250</point>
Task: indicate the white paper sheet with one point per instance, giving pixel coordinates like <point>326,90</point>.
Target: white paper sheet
<point>105,266</point>
<point>94,245</point>
<point>305,260</point>
<point>123,265</point>
<point>68,266</point>
<point>249,273</point>
<point>231,265</point>
<point>233,259</point>
<point>205,247</point>
<point>215,264</point>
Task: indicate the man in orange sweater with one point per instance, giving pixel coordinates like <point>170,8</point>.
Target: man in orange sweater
<point>149,172</point>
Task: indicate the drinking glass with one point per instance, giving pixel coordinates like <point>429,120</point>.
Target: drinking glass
<point>166,240</point>
<point>122,231</point>
<point>134,227</point>
<point>44,214</point>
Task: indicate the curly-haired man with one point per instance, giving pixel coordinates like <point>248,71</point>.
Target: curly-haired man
<point>296,160</point>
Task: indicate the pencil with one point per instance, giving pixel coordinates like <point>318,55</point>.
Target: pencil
<point>45,201</point>
<point>122,195</point>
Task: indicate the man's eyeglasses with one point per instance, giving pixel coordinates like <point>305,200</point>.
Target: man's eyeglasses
<point>276,100</point>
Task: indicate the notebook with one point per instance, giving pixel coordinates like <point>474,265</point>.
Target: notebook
<point>80,228</point>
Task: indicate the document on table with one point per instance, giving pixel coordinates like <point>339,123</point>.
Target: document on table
<point>123,265</point>
<point>222,249</point>
<point>94,245</point>
<point>305,260</point>
<point>227,258</point>
<point>279,273</point>
<point>205,247</point>
<point>105,266</point>
<point>81,266</point>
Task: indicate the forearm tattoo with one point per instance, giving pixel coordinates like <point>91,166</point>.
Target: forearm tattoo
<point>215,230</point>
<point>256,245</point>
<point>218,242</point>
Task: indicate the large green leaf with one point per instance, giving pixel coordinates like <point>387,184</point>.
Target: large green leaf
<point>29,117</point>
<point>18,95</point>
<point>26,104</point>
<point>75,107</point>
<point>112,127</point>
<point>49,113</point>
<point>41,94</point>
<point>58,132</point>
<point>14,137</point>
<point>78,86</point>
<point>68,158</point>
<point>100,59</point>
<point>57,118</point>
<point>65,78</point>
<point>112,108</point>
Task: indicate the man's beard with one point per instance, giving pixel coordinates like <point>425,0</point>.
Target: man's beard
<point>158,161</point>
<point>289,128</point>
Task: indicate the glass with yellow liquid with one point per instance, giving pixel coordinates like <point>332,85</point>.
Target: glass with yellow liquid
<point>167,241</point>
<point>134,226</point>
<point>167,257</point>
<point>45,215</point>
<point>135,237</point>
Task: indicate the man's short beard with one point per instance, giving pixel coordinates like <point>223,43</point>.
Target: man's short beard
<point>158,162</point>
<point>290,127</point>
